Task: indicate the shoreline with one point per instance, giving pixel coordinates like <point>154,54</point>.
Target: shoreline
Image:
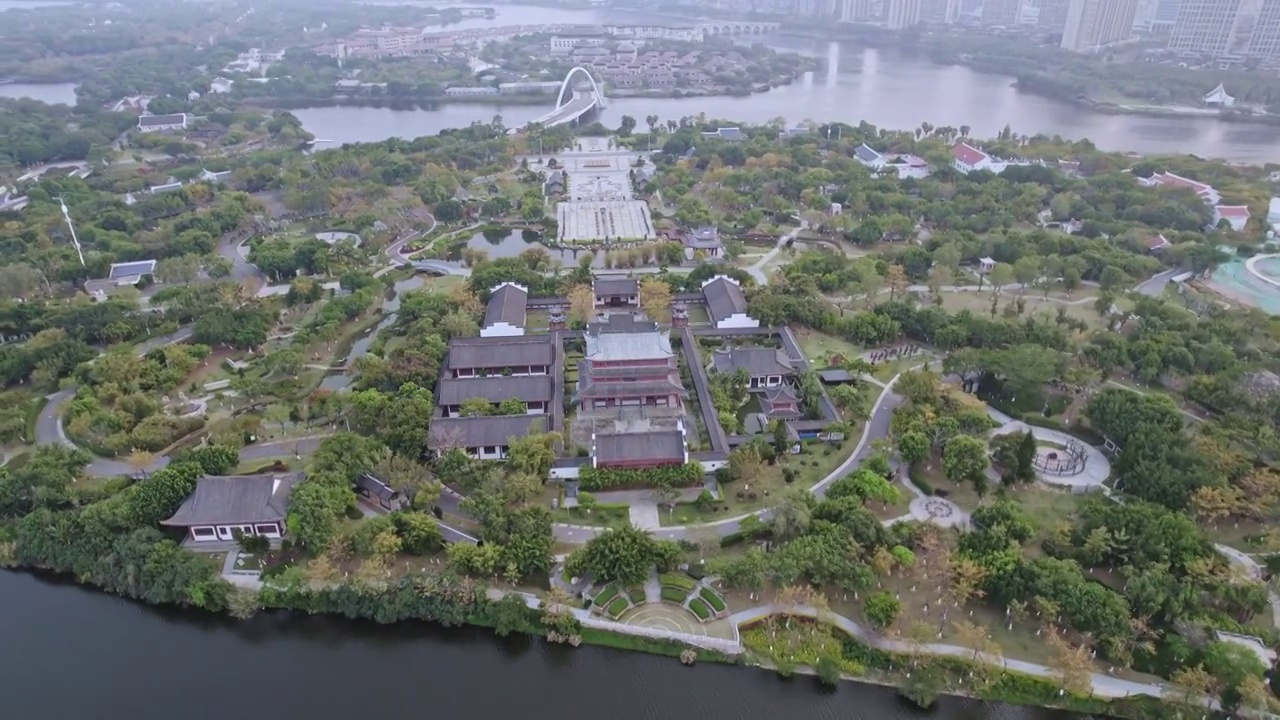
<point>1086,103</point>
<point>1008,686</point>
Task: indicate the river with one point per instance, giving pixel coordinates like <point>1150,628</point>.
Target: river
<point>71,652</point>
<point>52,93</point>
<point>885,87</point>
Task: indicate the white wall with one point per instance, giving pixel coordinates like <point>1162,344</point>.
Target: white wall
<point>501,330</point>
<point>738,320</point>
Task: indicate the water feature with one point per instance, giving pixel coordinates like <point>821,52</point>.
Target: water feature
<point>71,652</point>
<point>503,243</point>
<point>343,379</point>
<point>1235,281</point>
<point>886,87</point>
<point>31,4</point>
<point>52,93</point>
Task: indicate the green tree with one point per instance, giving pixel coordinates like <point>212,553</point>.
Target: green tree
<point>624,555</point>
<point>913,446</point>
<point>882,609</point>
<point>964,459</point>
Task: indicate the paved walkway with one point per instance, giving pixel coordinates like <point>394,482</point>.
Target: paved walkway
<point>1097,467</point>
<point>1103,685</point>
<point>756,270</point>
<point>645,515</point>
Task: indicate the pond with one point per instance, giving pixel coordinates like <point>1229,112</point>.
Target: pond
<point>508,243</point>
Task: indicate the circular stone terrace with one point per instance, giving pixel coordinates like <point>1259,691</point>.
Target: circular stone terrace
<point>668,617</point>
<point>1096,468</point>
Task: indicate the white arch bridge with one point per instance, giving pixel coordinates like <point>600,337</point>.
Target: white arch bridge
<point>579,103</point>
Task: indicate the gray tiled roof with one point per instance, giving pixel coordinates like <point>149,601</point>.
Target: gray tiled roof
<point>618,389</point>
<point>623,447</point>
<point>138,268</point>
<point>496,388</point>
<point>758,362</point>
<point>500,352</point>
<point>866,154</point>
<point>375,487</point>
<point>236,500</point>
<point>150,120</point>
<point>612,347</point>
<point>491,430</point>
<point>615,286</point>
<point>724,298</point>
<point>508,304</point>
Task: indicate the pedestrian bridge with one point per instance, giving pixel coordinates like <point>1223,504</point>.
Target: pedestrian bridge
<point>579,103</point>
<point>738,28</point>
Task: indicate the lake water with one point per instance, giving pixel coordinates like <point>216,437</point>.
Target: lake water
<point>52,93</point>
<point>70,652</point>
<point>510,243</point>
<point>30,4</point>
<point>882,86</point>
<point>360,348</point>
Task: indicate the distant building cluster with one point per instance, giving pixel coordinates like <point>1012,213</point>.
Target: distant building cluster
<point>627,67</point>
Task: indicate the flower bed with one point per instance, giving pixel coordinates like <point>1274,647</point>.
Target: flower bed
<point>617,607</point>
<point>713,599</point>
<point>603,597</point>
<point>700,609</point>
<point>674,595</point>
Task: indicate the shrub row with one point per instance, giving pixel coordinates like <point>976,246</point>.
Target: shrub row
<point>592,479</point>
<point>713,599</point>
<point>700,609</point>
<point>678,581</point>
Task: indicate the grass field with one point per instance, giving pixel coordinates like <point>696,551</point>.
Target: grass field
<point>612,515</point>
<point>1036,305</point>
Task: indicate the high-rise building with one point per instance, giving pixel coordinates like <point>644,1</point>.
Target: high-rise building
<point>1001,12</point>
<point>857,10</point>
<point>1053,15</point>
<point>1094,24</point>
<point>901,14</point>
<point>940,12</point>
<point>1265,41</point>
<point>1204,26</point>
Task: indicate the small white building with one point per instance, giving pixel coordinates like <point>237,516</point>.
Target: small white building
<point>985,265</point>
<point>1219,97</point>
<point>726,305</point>
<point>967,158</point>
<point>1273,212</point>
<point>507,312</point>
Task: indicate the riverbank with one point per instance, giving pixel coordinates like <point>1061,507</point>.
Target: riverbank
<point>453,602</point>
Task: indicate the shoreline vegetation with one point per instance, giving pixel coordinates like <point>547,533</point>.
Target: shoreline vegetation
<point>470,604</point>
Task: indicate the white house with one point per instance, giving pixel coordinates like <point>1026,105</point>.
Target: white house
<point>223,508</point>
<point>1218,96</point>
<point>905,165</point>
<point>1207,193</point>
<point>1235,215</point>
<point>967,158</point>
<point>726,305</point>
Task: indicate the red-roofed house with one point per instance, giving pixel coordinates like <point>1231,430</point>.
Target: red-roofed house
<point>967,158</point>
<point>1205,192</point>
<point>1157,243</point>
<point>1235,215</point>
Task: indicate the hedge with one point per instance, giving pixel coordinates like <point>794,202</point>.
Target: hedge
<point>592,479</point>
<point>674,595</point>
<point>678,581</point>
<point>700,609</point>
<point>713,599</point>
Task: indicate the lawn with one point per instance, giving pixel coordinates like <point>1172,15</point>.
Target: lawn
<point>812,465</point>
<point>1246,535</point>
<point>536,320</point>
<point>962,495</point>
<point>1036,305</point>
<point>679,582</point>
<point>698,316</point>
<point>819,347</point>
<point>251,467</point>
<point>1046,507</point>
<point>612,515</point>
